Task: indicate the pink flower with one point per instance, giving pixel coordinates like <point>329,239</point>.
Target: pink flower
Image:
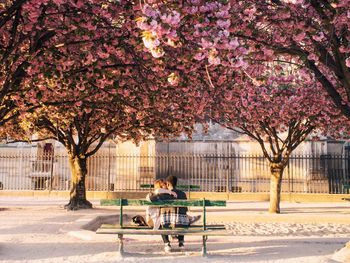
<point>239,63</point>
<point>172,19</point>
<point>157,52</point>
<point>78,103</point>
<point>149,11</point>
<point>347,62</point>
<point>206,44</point>
<point>250,12</point>
<point>267,52</point>
<point>233,43</point>
<point>89,26</point>
<point>103,55</point>
<point>318,37</point>
<point>173,79</point>
<point>222,13</point>
<point>244,102</point>
<point>312,57</point>
<point>148,42</point>
<point>300,37</point>
<point>214,60</point>
<point>199,56</point>
<point>223,23</point>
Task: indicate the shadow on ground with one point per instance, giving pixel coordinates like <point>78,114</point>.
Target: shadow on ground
<point>235,249</point>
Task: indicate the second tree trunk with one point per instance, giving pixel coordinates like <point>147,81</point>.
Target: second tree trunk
<point>275,187</point>
<point>78,190</point>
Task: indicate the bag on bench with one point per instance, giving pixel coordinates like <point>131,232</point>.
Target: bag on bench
<point>139,221</point>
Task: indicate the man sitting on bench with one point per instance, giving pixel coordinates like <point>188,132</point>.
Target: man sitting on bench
<point>172,216</point>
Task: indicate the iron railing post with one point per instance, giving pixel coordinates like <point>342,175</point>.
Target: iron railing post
<point>51,172</point>
<point>109,168</point>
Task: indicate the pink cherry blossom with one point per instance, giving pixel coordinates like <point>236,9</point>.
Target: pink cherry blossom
<point>347,62</point>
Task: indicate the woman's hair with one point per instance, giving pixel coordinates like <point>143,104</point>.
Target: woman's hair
<point>159,183</point>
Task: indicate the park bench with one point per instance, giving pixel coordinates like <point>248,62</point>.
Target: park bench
<point>346,187</point>
<point>183,187</point>
<point>203,230</point>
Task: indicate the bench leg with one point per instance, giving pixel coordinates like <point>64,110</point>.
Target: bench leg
<point>121,245</point>
<point>204,246</point>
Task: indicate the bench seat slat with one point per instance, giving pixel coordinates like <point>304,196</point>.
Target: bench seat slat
<point>199,232</point>
<point>112,226</point>
<point>168,203</point>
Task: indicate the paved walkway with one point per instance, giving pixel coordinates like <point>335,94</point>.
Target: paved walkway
<point>40,230</point>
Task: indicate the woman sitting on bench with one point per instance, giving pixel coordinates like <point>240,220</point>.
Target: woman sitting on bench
<point>160,193</point>
<point>173,216</point>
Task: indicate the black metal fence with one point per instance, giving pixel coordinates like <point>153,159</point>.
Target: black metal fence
<point>209,173</point>
<point>251,173</point>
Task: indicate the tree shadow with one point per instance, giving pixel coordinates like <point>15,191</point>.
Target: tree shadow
<point>245,250</point>
<point>264,250</point>
<point>48,225</point>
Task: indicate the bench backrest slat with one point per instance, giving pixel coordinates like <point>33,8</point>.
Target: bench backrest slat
<point>181,186</point>
<point>169,203</point>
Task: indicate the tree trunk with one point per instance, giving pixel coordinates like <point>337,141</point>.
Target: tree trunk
<point>275,186</point>
<point>78,191</point>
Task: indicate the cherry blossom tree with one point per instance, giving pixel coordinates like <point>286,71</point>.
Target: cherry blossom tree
<point>89,78</point>
<point>131,111</point>
<point>234,33</point>
<point>31,28</point>
<point>83,128</point>
<point>276,107</point>
<point>17,48</point>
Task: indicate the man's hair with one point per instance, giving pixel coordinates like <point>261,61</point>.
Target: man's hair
<point>172,180</point>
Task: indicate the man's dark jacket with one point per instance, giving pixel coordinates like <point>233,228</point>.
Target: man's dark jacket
<point>172,216</point>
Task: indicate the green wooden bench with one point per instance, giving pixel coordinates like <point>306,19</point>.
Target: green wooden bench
<point>203,230</point>
<point>346,187</point>
<point>181,186</point>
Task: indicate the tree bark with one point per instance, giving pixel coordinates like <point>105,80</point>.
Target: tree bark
<point>78,190</point>
<point>275,187</point>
